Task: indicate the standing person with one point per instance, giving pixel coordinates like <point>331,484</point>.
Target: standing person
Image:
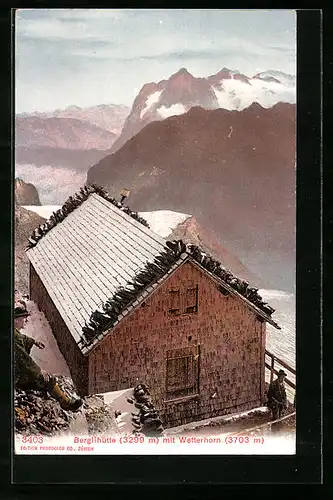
<point>277,397</point>
<point>27,374</point>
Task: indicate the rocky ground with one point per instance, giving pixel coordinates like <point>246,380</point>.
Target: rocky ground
<point>38,413</point>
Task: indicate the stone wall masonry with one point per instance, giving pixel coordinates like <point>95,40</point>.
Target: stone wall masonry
<point>231,339</point>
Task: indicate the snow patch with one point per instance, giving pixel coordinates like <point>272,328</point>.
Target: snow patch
<point>285,79</point>
<point>119,401</point>
<point>163,222</point>
<point>236,95</point>
<point>275,294</point>
<point>150,101</point>
<point>175,109</point>
<point>43,210</point>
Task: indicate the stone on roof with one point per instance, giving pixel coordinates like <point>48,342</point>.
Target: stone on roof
<point>86,258</point>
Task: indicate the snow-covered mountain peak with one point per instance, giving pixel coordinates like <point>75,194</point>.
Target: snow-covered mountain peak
<point>228,89</point>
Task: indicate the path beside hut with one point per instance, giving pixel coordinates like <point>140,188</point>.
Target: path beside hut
<point>237,423</point>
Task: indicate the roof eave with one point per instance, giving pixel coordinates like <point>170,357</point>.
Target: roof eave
<point>131,308</point>
<point>232,291</point>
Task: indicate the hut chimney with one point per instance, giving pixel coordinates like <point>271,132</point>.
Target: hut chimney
<point>124,194</point>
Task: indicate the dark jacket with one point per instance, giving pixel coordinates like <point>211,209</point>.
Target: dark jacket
<point>26,371</point>
<point>276,395</point>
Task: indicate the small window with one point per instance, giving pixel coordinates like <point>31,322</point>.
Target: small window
<point>174,301</point>
<point>191,300</point>
<point>182,372</point>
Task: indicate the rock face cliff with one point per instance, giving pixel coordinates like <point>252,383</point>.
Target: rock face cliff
<point>25,193</point>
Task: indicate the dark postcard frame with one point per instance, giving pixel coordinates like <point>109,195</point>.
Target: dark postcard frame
<point>306,465</point>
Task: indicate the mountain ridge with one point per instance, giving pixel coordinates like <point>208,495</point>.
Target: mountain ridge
<point>226,89</point>
<point>60,132</point>
<point>109,117</point>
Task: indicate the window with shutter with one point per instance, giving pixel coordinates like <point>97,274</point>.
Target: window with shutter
<point>174,301</point>
<point>191,300</point>
<point>182,372</point>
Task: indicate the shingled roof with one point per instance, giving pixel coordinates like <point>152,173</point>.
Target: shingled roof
<point>84,259</point>
<point>99,260</point>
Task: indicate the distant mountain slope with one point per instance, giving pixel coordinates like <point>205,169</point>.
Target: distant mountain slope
<point>109,117</point>
<point>226,89</point>
<point>68,133</point>
<point>75,159</point>
<point>233,170</point>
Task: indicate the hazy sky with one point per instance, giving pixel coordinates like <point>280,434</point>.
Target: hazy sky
<point>87,57</point>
